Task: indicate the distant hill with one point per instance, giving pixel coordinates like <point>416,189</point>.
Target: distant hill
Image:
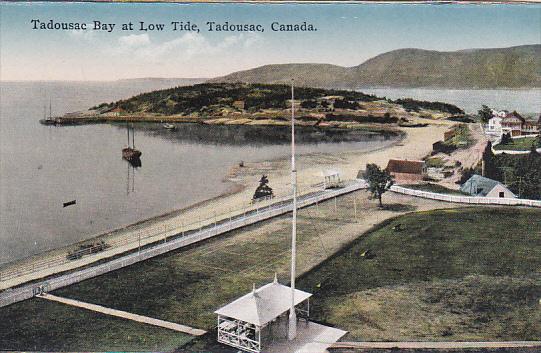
<point>514,67</point>
<point>165,82</point>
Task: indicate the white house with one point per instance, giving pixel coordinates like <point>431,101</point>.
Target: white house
<point>494,126</point>
<point>499,113</point>
<point>484,187</point>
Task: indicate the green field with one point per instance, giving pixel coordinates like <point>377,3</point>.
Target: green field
<point>464,274</point>
<point>41,325</point>
<point>520,144</point>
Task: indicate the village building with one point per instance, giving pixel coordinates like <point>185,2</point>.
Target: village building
<point>480,186</point>
<point>115,111</point>
<point>449,134</point>
<point>494,126</point>
<point>515,125</point>
<point>405,171</point>
<point>512,124</point>
<point>499,113</point>
<point>530,128</point>
<point>238,104</point>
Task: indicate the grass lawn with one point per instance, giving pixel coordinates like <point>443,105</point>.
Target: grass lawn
<point>436,188</point>
<point>50,326</point>
<point>461,274</point>
<point>520,144</point>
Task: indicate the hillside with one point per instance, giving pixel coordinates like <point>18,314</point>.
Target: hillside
<point>514,67</point>
<point>220,98</point>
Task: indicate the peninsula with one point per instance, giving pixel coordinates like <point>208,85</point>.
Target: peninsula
<point>263,104</point>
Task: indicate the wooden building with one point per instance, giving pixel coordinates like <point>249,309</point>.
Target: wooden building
<point>405,171</point>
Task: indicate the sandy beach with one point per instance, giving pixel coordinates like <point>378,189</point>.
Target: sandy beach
<point>415,144</point>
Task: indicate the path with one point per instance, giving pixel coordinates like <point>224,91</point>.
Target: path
<point>435,345</point>
<point>125,315</point>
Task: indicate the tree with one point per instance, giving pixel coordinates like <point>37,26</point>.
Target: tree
<point>506,139</point>
<point>263,190</point>
<point>379,181</point>
<point>485,114</point>
<point>491,169</point>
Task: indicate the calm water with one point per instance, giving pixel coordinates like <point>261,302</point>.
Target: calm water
<point>527,102</point>
<point>41,167</point>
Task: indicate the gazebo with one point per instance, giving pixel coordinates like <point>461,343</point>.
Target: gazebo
<point>255,317</point>
<point>331,179</point>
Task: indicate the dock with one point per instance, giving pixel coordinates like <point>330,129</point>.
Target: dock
<point>66,273</point>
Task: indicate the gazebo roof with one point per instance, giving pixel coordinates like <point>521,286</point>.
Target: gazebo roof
<point>263,305</point>
<point>330,172</point>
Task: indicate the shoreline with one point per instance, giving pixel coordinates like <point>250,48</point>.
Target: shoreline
<point>413,143</point>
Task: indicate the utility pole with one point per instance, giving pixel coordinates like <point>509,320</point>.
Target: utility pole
<point>292,327</point>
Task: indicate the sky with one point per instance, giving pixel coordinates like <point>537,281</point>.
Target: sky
<point>347,34</point>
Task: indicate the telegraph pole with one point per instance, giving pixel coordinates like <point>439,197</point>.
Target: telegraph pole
<point>292,327</point>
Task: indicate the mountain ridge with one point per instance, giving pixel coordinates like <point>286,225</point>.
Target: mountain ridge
<point>511,67</point>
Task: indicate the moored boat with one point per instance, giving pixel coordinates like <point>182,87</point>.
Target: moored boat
<point>130,153</point>
<point>48,120</point>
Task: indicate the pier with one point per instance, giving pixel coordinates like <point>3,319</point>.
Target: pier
<point>148,243</point>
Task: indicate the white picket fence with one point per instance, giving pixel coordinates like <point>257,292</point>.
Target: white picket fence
<point>466,199</point>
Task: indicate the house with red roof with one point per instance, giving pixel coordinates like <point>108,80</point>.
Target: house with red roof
<point>406,171</point>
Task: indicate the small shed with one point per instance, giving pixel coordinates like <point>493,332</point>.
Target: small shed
<point>480,186</point>
<point>406,170</point>
<point>239,105</point>
<point>449,134</point>
<point>245,322</point>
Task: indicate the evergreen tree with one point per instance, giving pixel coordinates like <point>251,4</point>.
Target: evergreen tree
<point>490,165</point>
<point>263,190</point>
<point>485,113</point>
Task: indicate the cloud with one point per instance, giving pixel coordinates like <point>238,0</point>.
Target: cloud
<point>188,46</point>
<point>85,35</point>
<point>134,40</point>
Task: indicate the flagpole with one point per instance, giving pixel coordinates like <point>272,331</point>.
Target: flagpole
<point>292,331</point>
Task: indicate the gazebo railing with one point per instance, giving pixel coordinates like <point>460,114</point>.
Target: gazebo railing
<point>235,333</point>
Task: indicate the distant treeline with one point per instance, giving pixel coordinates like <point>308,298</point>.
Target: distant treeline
<point>415,105</point>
